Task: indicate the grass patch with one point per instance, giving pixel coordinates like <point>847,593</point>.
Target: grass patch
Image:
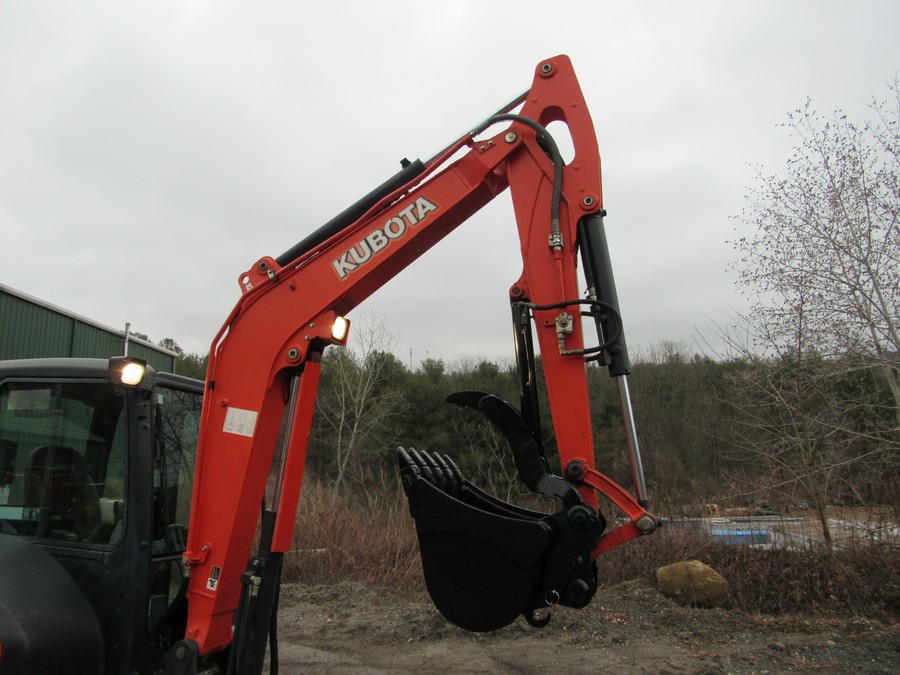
<point>338,538</point>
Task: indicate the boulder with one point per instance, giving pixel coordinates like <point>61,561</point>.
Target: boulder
<point>693,583</point>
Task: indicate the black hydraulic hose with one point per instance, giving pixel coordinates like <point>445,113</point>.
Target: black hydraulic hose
<point>597,304</point>
<point>552,149</point>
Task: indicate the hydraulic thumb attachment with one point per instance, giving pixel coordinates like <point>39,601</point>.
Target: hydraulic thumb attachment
<point>486,561</point>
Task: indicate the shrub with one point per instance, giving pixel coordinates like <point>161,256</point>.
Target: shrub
<point>859,578</point>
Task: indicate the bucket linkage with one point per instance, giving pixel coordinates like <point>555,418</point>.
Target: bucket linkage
<point>487,561</point>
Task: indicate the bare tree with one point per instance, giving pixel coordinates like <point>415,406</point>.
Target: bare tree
<point>360,398</point>
<point>821,272</point>
<point>827,240</point>
<point>797,436</point>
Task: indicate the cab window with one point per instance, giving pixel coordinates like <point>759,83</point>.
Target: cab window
<point>176,424</point>
<point>62,461</point>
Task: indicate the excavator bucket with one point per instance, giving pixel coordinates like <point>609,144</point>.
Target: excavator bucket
<point>486,561</point>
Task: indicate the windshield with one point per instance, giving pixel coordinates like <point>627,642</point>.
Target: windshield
<point>62,461</point>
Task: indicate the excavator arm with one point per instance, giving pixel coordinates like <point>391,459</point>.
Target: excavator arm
<point>264,369</point>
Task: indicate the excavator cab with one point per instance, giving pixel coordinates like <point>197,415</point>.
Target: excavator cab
<point>95,485</point>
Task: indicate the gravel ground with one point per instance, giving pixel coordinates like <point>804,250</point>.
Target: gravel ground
<point>628,628</point>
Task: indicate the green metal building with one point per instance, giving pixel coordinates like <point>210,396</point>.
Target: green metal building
<point>32,328</point>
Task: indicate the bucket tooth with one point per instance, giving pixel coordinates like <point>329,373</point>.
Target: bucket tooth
<point>451,474</point>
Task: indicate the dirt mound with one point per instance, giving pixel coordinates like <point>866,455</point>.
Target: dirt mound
<point>349,628</point>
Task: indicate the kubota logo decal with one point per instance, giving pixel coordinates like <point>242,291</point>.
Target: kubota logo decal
<point>377,240</point>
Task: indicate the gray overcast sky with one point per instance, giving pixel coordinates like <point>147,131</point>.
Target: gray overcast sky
<point>151,152</point>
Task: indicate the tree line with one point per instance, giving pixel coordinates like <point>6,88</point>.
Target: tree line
<point>709,431</point>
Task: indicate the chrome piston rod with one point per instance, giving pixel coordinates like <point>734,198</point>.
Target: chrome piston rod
<point>634,448</point>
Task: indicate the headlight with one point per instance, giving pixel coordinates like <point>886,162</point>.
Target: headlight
<point>133,373</point>
<point>339,329</point>
<point>127,370</point>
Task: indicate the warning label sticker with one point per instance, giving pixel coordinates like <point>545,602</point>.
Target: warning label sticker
<point>240,422</point>
<point>213,580</point>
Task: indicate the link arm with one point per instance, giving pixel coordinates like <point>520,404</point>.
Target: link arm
<point>640,522</point>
